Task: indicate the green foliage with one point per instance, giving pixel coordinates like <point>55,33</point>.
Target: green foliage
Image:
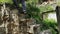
<point>50,24</point>
<point>46,8</point>
<point>6,1</point>
<point>53,31</point>
<point>33,11</point>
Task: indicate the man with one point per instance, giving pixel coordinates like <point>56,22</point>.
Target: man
<point>16,3</point>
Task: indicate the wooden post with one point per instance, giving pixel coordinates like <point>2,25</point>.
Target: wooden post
<point>58,16</point>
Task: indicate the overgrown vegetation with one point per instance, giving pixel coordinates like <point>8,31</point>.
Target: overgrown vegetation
<point>35,12</point>
<point>50,24</point>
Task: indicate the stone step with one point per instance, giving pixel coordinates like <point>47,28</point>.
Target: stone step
<point>22,19</point>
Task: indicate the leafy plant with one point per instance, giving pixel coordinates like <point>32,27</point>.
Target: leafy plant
<point>50,24</point>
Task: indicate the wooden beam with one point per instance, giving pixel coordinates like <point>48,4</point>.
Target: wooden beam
<point>48,11</point>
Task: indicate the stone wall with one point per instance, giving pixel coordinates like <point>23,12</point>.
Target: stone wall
<point>14,23</point>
